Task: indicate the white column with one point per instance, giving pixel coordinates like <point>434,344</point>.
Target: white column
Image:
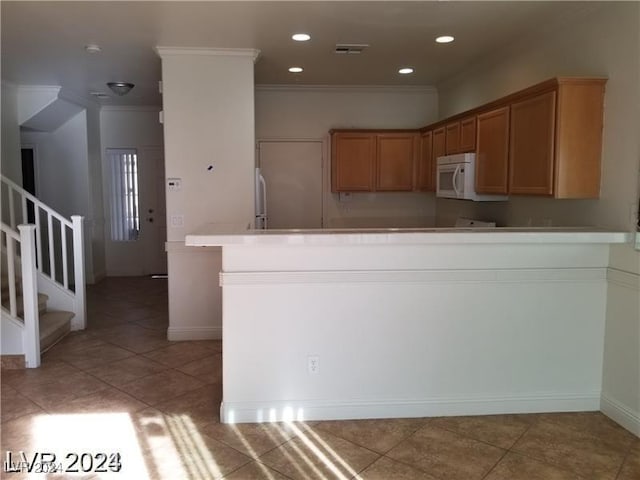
<point>31,335</point>
<point>79,322</point>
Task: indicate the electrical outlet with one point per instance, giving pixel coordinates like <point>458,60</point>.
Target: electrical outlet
<point>313,364</point>
<point>177,221</point>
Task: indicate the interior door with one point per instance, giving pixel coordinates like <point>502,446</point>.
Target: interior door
<point>293,174</point>
<point>153,217</point>
<point>137,248</point>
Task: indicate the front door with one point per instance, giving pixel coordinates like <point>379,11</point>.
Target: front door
<point>136,228</point>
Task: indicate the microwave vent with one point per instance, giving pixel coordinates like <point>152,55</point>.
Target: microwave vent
<point>350,48</point>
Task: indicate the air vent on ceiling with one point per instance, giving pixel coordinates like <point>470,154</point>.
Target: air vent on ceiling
<point>350,48</point>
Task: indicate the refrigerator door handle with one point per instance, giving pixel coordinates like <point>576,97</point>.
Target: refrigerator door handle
<point>264,200</point>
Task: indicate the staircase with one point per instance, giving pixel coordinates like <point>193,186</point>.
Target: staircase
<point>53,324</point>
<point>43,287</point>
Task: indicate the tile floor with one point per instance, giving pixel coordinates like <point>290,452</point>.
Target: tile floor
<point>121,387</point>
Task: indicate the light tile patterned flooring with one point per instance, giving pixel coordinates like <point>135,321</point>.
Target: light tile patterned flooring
<point>120,386</point>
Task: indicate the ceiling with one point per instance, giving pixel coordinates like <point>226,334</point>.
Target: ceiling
<point>43,42</point>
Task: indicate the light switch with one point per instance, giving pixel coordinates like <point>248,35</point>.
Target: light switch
<point>174,184</point>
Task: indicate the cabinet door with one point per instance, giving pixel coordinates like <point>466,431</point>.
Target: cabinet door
<point>424,180</point>
<point>532,145</point>
<point>492,153</point>
<point>439,150</point>
<point>452,141</point>
<point>468,135</point>
<point>352,162</point>
<point>395,160</point>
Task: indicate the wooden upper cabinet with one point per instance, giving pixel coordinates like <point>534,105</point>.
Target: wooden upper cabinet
<point>532,142</point>
<point>556,140</point>
<point>369,161</point>
<point>467,135</point>
<point>352,161</point>
<point>460,136</point>
<point>425,169</point>
<point>492,152</point>
<point>452,138</point>
<point>439,149</point>
<point>395,161</point>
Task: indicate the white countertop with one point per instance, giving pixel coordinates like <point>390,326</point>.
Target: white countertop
<point>237,234</point>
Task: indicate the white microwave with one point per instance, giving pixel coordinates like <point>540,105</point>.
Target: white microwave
<point>456,177</point>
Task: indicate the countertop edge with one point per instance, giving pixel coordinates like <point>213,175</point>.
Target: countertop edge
<point>408,237</point>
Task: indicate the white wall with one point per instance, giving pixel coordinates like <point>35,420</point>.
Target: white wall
<point>425,329</point>
<point>208,102</point>
<point>621,373</point>
<point>11,160</point>
<point>603,42</point>
<point>297,112</point>
<point>94,223</point>
<point>123,127</point>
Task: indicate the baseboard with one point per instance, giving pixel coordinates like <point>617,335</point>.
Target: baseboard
<point>620,414</point>
<point>97,277</point>
<point>250,412</point>
<point>194,333</point>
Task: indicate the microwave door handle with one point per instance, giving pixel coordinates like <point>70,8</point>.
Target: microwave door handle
<point>455,181</point>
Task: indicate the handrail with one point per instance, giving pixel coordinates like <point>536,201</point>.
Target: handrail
<point>35,201</point>
<point>9,231</point>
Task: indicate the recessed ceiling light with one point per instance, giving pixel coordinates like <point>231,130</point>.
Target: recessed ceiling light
<point>445,39</point>
<point>405,70</point>
<point>99,95</point>
<point>301,37</point>
<point>295,69</point>
<point>91,48</point>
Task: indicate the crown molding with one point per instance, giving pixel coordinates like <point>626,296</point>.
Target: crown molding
<point>131,108</point>
<point>55,89</point>
<point>206,51</point>
<point>348,88</point>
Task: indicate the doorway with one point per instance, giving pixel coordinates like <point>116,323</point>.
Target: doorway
<point>28,155</point>
<point>136,211</point>
<point>293,173</point>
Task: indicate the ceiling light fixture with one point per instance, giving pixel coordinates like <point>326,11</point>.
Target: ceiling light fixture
<point>301,37</point>
<point>405,70</point>
<point>92,48</point>
<point>295,69</point>
<point>120,88</point>
<point>445,39</point>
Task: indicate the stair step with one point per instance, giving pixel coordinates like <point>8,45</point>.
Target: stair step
<point>42,303</point>
<point>53,328</point>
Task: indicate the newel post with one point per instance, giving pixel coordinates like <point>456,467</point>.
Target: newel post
<point>31,336</point>
<point>80,319</point>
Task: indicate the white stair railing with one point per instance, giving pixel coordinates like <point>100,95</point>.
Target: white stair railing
<point>57,259</point>
<point>25,243</point>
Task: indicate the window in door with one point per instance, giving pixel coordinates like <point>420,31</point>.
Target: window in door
<point>124,198</point>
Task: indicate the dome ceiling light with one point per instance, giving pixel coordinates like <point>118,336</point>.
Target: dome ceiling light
<point>120,88</point>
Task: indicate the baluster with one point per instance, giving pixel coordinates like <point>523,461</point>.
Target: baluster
<point>36,211</point>
<point>25,218</point>
<point>12,211</point>
<point>11,275</point>
<point>52,257</point>
<point>65,266</point>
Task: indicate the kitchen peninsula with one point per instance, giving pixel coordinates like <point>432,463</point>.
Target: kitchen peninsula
<point>337,324</point>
